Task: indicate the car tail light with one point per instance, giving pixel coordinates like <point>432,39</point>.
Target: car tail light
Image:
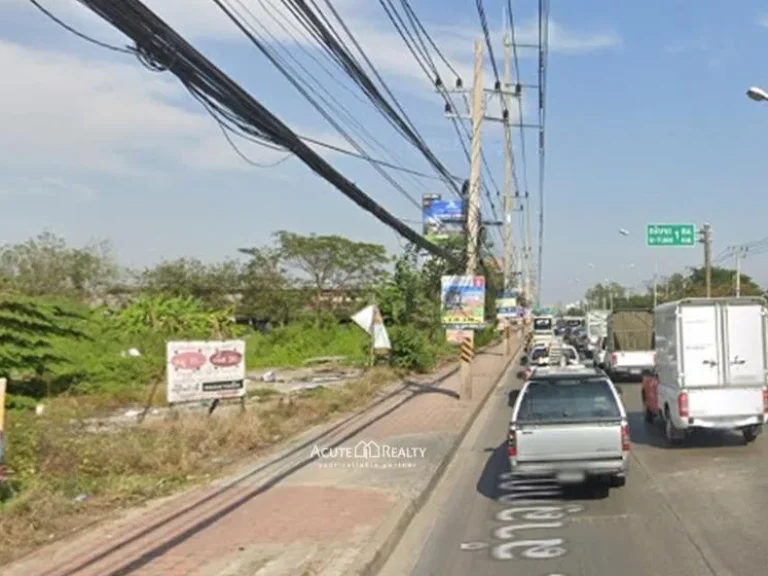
<point>654,358</point>
<point>512,444</point>
<point>765,400</point>
<point>613,358</point>
<point>625,438</point>
<point>682,405</point>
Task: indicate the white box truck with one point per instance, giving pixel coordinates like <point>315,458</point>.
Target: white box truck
<point>710,367</point>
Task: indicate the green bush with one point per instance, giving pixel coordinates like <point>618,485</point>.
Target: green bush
<point>411,349</point>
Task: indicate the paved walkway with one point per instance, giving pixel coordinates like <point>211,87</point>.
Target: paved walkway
<point>327,504</point>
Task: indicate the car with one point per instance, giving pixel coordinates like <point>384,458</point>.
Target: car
<point>569,423</point>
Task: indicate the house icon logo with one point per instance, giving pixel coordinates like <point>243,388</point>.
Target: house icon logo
<point>367,450</point>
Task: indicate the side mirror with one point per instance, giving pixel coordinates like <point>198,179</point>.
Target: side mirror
<point>522,375</point>
<point>620,390</point>
<point>524,360</point>
<point>512,398</point>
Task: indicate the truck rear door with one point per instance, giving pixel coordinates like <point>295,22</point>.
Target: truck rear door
<point>700,345</point>
<point>744,362</point>
<point>568,420</point>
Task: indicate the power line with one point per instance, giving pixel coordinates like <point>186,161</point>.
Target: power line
<point>304,89</point>
<point>488,43</point>
<point>60,22</point>
<point>168,50</point>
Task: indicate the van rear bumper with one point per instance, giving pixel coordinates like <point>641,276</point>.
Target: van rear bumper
<point>601,467</point>
<point>722,422</point>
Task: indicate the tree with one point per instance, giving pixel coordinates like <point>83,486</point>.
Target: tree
<point>332,263</point>
<point>45,265</point>
<point>212,284</point>
<point>675,287</point>
<point>268,293</point>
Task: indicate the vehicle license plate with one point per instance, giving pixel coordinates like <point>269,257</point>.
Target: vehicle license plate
<point>635,371</point>
<point>570,477</point>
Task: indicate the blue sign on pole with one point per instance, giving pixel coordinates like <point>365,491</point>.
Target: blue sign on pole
<point>442,218</point>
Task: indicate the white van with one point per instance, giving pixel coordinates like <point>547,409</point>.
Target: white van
<point>710,367</point>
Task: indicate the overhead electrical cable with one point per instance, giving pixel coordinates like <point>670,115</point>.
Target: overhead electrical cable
<point>392,111</point>
<point>168,50</point>
<point>305,90</point>
<point>292,30</point>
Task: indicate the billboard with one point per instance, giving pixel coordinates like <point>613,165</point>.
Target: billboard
<point>507,305</point>
<point>205,370</point>
<point>441,218</point>
<point>463,301</point>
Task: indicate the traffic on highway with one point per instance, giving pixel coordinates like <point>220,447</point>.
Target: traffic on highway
<point>622,442</point>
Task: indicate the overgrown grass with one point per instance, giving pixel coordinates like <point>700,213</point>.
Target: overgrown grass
<point>65,476</point>
<point>293,344</point>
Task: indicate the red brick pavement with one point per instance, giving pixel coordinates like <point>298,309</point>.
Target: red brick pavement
<point>207,525</point>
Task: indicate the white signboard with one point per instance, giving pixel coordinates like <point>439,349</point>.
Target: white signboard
<point>205,370</point>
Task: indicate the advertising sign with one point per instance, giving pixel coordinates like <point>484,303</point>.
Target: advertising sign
<point>456,337</point>
<point>463,301</point>
<point>205,370</point>
<point>442,218</point>
<point>506,305</point>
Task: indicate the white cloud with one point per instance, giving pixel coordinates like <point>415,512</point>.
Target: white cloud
<point>74,113</point>
<point>763,21</point>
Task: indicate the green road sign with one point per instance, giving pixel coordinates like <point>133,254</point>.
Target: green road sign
<point>670,235</point>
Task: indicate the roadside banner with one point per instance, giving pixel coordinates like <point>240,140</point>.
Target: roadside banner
<point>442,218</point>
<point>456,337</point>
<point>205,370</point>
<point>506,305</point>
<point>463,302</point>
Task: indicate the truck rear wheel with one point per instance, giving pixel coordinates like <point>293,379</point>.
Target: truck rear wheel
<point>750,435</point>
<point>649,416</point>
<point>671,434</point>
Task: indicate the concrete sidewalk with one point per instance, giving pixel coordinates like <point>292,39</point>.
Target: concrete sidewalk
<point>334,501</point>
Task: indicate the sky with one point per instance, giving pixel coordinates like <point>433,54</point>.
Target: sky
<point>647,121</point>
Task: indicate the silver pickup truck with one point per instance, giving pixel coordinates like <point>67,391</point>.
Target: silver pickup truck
<point>569,423</point>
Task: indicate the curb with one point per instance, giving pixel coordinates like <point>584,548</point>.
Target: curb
<point>372,566</point>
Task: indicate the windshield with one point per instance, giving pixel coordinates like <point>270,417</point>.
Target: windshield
<point>568,399</point>
<point>542,323</point>
<point>538,353</point>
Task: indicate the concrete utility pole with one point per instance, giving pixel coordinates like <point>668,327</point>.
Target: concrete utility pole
<point>706,239</point>
<point>739,254</point>
<point>473,208</point>
<point>509,264</point>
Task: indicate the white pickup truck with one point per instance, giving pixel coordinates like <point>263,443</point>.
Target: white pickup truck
<point>629,346</point>
<point>712,367</point>
<point>570,423</point>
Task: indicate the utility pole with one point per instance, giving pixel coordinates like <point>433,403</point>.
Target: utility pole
<point>656,282</point>
<point>473,208</point>
<point>706,239</point>
<point>509,264</point>
<point>738,255</point>
<point>508,168</point>
<point>473,211</point>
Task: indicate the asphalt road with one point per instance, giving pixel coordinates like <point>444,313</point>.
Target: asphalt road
<point>698,510</point>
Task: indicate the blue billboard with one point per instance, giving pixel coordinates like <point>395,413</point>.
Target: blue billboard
<point>442,218</point>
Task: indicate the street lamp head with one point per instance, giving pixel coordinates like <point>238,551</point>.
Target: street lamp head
<point>757,94</point>
<point>623,231</point>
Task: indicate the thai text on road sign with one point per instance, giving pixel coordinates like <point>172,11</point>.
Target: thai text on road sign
<point>670,235</point>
